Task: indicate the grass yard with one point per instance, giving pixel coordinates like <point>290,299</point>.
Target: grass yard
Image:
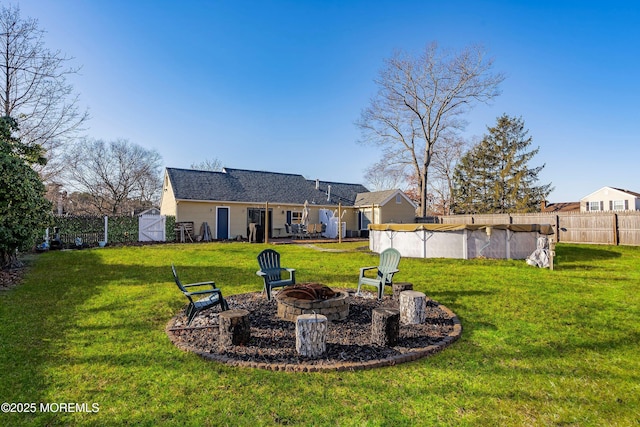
<point>538,347</point>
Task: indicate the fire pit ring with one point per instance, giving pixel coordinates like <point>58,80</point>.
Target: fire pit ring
<point>290,306</point>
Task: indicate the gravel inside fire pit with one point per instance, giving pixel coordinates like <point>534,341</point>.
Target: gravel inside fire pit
<point>273,340</point>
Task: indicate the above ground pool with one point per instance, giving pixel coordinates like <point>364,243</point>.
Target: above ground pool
<point>465,241</point>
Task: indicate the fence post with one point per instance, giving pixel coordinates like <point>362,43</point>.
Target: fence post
<point>266,223</point>
<point>615,229</point>
<point>340,222</point>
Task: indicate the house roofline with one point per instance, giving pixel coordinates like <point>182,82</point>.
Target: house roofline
<point>387,199</point>
<point>395,193</point>
<point>627,192</point>
<point>228,202</point>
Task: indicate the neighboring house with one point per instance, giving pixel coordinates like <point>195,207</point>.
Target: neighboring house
<point>230,200</point>
<point>610,199</point>
<point>382,207</point>
<point>150,211</point>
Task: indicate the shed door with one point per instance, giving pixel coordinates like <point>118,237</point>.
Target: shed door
<point>222,223</point>
<point>151,228</point>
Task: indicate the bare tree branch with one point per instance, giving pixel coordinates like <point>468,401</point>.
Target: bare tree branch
<point>114,174</point>
<point>421,100</point>
<point>212,165</point>
<point>385,176</point>
<point>34,89</point>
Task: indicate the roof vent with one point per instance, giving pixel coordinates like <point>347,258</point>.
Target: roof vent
<point>317,184</point>
<point>328,193</point>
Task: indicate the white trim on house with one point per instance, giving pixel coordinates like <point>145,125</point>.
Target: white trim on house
<point>394,195</point>
<point>390,196</point>
<point>290,206</point>
<point>228,208</point>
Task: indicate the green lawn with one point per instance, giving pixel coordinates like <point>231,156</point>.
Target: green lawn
<point>538,347</point>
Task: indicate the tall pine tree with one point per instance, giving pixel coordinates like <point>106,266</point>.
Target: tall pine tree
<point>495,177</point>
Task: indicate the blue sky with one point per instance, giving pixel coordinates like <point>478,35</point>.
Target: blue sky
<point>278,85</point>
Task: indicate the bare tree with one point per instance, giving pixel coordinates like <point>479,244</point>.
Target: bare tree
<point>34,88</point>
<point>421,100</point>
<point>443,164</point>
<point>117,175</point>
<point>212,165</point>
<point>383,176</point>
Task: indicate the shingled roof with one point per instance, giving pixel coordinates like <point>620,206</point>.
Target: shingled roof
<point>561,207</point>
<point>374,198</point>
<point>239,185</point>
<point>633,193</point>
<point>339,192</point>
<point>379,198</point>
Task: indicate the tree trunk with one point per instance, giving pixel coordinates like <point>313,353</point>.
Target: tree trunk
<point>311,330</point>
<point>423,192</point>
<point>413,307</point>
<point>9,260</point>
<point>235,329</point>
<point>385,326</point>
<point>399,287</point>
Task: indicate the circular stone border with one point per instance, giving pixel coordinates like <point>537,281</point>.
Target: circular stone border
<point>415,354</point>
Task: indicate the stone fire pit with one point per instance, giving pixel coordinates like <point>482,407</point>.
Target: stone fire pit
<point>349,343</point>
<point>310,298</point>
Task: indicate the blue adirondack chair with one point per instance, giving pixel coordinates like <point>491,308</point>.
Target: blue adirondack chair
<point>389,260</point>
<point>271,271</point>
<point>211,297</point>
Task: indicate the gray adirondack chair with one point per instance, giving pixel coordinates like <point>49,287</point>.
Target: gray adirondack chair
<point>389,260</point>
<point>211,297</point>
<point>271,271</point>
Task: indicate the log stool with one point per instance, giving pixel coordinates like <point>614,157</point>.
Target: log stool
<point>235,328</point>
<point>413,307</point>
<point>399,287</point>
<point>311,331</point>
<point>385,326</point>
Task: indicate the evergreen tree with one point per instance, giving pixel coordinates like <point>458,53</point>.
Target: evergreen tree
<point>495,177</point>
<point>23,209</point>
<point>473,180</point>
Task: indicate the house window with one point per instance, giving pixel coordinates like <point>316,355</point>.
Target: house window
<point>398,198</point>
<point>365,219</point>
<point>594,206</point>
<point>296,217</point>
<point>619,205</point>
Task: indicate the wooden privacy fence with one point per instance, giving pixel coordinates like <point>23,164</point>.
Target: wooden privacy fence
<point>609,228</point>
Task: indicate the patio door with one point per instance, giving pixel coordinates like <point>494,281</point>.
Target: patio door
<point>364,219</point>
<point>222,222</point>
<point>258,216</point>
